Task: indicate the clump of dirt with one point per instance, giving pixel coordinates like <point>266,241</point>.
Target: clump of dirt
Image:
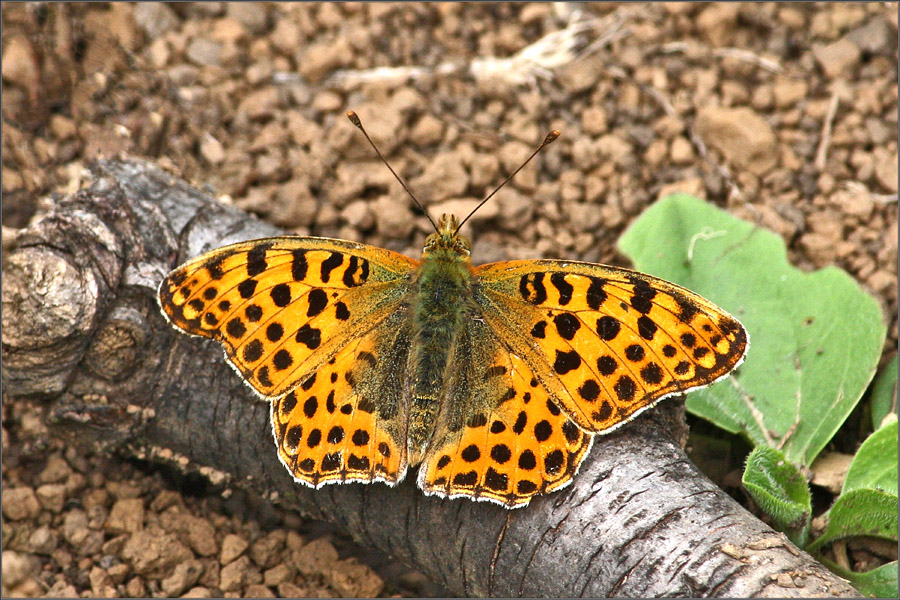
<point>785,114</point>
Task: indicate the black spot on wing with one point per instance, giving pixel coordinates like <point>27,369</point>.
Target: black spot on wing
<point>256,260</point>
<point>567,325</point>
<point>608,328</point>
<point>281,295</point>
<point>253,313</point>
<point>625,388</point>
<point>564,288</point>
<point>642,299</point>
<point>357,272</point>
<point>566,361</point>
<point>331,263</point>
<point>646,327</point>
<point>318,300</point>
<point>532,289</point>
<point>299,265</point>
<point>247,288</point>
<point>495,481</point>
<point>309,336</point>
<point>596,295</point>
<point>341,312</point>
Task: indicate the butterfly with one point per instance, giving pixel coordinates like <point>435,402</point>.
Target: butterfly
<point>492,379</point>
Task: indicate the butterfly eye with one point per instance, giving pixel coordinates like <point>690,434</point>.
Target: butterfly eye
<point>430,241</point>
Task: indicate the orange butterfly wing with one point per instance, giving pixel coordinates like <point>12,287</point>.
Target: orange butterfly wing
<point>283,306</point>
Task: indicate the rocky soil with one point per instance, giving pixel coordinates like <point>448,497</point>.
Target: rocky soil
<point>785,114</point>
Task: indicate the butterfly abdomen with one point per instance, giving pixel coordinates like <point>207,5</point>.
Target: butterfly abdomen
<point>438,306</point>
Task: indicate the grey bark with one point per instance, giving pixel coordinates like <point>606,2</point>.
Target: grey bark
<point>82,332</point>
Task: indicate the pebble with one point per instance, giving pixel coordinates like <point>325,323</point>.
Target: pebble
<point>118,572</point>
<point>211,149</point>
<point>284,37</point>
<point>886,168</point>
<point>291,590</point>
<point>278,574</point>
<point>585,153</point>
<point>392,219</point>
<point>249,14</point>
<point>351,579</point>
<point>126,516</point>
<point>183,577</point>
<point>237,574</point>
<point>584,217</point>
<point>43,540</point>
<point>742,136</point>
<point>266,551</point>
<point>299,207</point>
<point>681,152</point>
<point>259,104</point>
<point>581,75</point>
<point>358,215</point>
<point>837,59</point>
<point>29,588</point>
<point>18,63</point>
<point>17,567</point>
<point>164,499</point>
<point>484,172</point>
<point>716,22</point>
<point>515,209</point>
<point>57,470</point>
<point>428,130</point>
<point>155,18</point>
<point>232,546</point>
<point>258,591</point>
<point>320,59</point>
<point>62,589</point>
<point>874,37</point>
<point>62,127</point>
<point>204,52</point>
<point>151,551</point>
<point>101,584</point>
<point>20,503</point>
<point>314,557</point>
<point>445,177</point>
<point>228,31</point>
<point>788,92</point>
<point>594,121</point>
<point>614,148</point>
<point>135,588</point>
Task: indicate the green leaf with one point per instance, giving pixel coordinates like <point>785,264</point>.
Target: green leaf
<point>880,582</point>
<point>884,393</point>
<point>875,463</point>
<point>815,337</point>
<point>860,512</point>
<point>780,490</point>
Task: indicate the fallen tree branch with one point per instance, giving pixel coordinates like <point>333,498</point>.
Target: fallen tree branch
<point>81,331</point>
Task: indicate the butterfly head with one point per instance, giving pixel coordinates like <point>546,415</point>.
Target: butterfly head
<point>447,240</point>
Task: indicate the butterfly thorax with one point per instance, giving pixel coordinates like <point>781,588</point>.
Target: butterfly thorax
<point>442,298</point>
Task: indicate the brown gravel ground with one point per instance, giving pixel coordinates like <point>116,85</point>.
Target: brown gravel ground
<point>786,114</point>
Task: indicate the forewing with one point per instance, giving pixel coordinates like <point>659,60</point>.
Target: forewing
<point>347,422</point>
<point>284,306</point>
<point>501,438</point>
<point>608,342</point>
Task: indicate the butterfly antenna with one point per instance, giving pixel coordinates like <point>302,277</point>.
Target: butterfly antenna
<point>354,118</point>
<point>547,140</point>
